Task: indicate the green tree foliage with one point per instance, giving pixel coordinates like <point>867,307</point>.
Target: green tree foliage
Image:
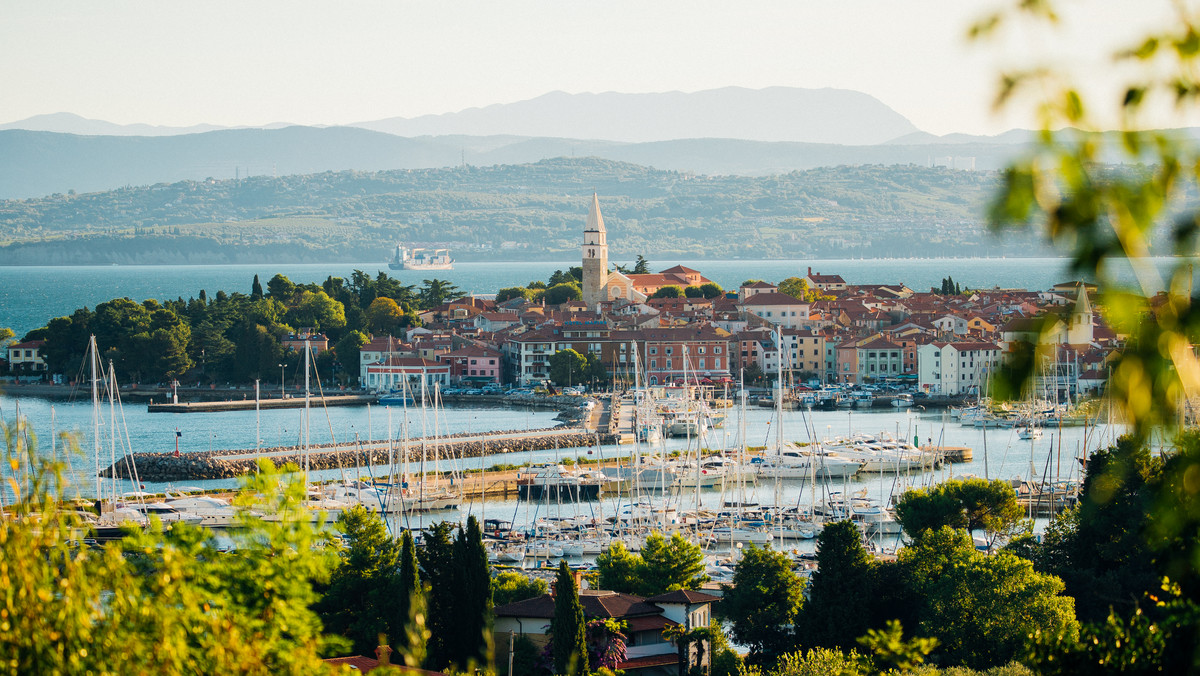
<point>348,349</point>
<point>819,662</point>
<point>561,293</point>
<point>692,291</point>
<point>408,596</point>
<point>568,367</point>
<point>256,289</point>
<point>356,603</point>
<point>385,317</point>
<point>257,351</point>
<point>670,564</point>
<point>315,309</point>
<point>664,565</point>
<point>437,571</point>
<point>66,341</point>
<point>597,372</point>
<point>972,504</point>
<point>890,651</point>
<point>763,603</point>
<point>797,287</point>
<point>642,266</point>
<point>281,289</point>
<point>142,340</point>
<point>725,660</point>
<point>573,275</point>
<point>171,602</point>
<point>567,628</point>
<point>471,642</point>
<point>1158,640</point>
<point>1100,548</point>
<point>669,291</point>
<point>510,293</point>
<point>434,292</point>
<point>841,590</point>
<point>711,290</point>
<point>617,569</point>
<point>982,608</point>
<point>6,335</point>
<point>509,586</point>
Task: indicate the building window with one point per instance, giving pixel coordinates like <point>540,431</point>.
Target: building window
<point>668,363</point>
<point>700,350</point>
<point>653,363</point>
<point>716,350</point>
<point>654,350</point>
<point>701,365</point>
<point>670,350</point>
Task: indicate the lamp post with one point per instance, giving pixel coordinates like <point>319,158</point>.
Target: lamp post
<point>281,381</point>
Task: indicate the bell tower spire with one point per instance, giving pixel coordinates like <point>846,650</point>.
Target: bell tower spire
<point>595,257</point>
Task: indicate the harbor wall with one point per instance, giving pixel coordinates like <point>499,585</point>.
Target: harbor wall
<point>228,464</point>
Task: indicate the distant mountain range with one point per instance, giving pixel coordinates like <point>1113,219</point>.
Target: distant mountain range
<point>38,163</point>
<point>773,114</point>
<point>721,131</point>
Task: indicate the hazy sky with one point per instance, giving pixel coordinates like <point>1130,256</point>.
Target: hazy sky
<point>249,62</point>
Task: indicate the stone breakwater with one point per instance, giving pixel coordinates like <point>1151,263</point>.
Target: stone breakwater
<point>206,465</point>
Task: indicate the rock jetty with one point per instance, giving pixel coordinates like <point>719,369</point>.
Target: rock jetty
<point>228,464</point>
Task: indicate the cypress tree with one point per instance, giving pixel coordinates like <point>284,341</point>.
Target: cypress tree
<point>256,290</point>
<point>473,590</point>
<point>437,569</point>
<point>568,626</point>
<point>841,592</point>
<point>408,583</point>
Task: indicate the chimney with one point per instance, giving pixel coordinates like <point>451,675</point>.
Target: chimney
<point>810,271</point>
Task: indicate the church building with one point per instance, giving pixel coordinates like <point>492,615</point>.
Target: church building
<point>600,284</point>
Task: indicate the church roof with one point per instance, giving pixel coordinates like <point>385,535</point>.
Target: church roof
<point>595,222</point>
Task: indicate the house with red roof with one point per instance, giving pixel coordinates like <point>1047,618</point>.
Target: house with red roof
<point>826,283</point>
<point>474,364</point>
<point>26,358</point>
<point>953,368</point>
<point>647,652</point>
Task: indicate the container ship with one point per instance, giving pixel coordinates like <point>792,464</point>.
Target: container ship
<point>421,259</point>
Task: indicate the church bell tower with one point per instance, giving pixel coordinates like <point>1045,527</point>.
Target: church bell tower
<point>595,257</point>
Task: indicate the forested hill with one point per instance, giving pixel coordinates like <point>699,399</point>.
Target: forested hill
<point>512,212</point>
<point>38,163</point>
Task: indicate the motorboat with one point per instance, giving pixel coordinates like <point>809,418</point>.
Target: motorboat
<point>553,481</point>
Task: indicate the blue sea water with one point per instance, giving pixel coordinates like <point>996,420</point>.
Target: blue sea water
<point>32,295</point>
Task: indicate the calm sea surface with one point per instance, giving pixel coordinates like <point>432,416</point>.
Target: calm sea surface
<point>31,296</point>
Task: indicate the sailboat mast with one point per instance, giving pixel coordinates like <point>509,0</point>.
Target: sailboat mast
<point>307,410</point>
<point>95,411</point>
<point>778,413</point>
<point>112,425</point>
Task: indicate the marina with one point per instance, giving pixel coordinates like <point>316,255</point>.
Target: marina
<point>487,484</point>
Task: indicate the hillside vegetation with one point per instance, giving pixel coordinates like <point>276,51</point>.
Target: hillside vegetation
<point>513,212</point>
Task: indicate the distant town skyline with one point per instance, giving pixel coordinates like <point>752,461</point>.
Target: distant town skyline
<point>231,63</point>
